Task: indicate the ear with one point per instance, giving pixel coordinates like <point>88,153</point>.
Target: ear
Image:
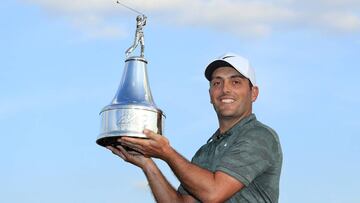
<point>254,93</point>
<point>210,97</point>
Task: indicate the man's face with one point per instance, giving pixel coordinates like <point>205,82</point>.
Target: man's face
<point>231,94</point>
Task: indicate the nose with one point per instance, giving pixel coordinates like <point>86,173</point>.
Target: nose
<point>226,86</point>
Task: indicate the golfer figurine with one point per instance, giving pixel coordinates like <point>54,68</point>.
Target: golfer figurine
<point>139,36</point>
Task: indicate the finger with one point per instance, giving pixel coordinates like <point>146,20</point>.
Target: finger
<point>133,140</point>
<point>122,150</point>
<point>112,149</point>
<point>150,134</point>
<point>129,154</point>
<point>135,153</point>
<point>131,149</point>
<point>116,151</point>
<point>131,145</point>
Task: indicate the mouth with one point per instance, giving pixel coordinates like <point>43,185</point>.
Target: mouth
<point>227,101</point>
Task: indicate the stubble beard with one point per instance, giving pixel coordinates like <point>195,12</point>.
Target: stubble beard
<point>232,114</point>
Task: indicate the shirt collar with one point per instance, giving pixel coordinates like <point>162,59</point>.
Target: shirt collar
<point>235,128</point>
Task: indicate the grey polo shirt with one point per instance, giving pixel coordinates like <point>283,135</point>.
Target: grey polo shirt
<point>250,152</point>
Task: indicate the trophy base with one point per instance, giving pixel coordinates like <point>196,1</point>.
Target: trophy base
<point>108,141</point>
<point>129,121</point>
<point>113,141</point>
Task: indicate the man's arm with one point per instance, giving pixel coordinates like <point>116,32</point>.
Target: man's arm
<point>160,187</point>
<point>144,20</point>
<point>203,184</point>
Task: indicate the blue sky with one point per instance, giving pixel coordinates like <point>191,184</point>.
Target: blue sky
<point>62,61</point>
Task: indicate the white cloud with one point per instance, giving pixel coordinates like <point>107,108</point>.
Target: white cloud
<point>94,26</point>
<point>241,17</point>
<point>344,22</point>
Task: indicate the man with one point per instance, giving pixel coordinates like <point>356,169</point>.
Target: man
<point>139,36</point>
<point>241,162</point>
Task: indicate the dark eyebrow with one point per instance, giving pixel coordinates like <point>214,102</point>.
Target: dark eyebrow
<point>232,77</point>
<point>238,76</point>
<point>217,77</point>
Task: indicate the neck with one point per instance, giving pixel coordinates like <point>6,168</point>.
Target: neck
<point>225,123</point>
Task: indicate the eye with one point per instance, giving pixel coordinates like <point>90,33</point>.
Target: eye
<point>215,83</point>
<point>236,82</point>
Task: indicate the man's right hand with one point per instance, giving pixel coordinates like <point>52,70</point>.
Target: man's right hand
<point>132,157</point>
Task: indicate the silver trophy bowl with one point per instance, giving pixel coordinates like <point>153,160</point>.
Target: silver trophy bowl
<point>132,110</point>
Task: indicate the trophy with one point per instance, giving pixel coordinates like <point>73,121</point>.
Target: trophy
<point>133,109</point>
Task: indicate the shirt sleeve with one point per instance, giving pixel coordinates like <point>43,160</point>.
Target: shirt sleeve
<point>249,156</point>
